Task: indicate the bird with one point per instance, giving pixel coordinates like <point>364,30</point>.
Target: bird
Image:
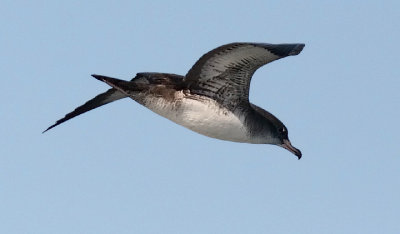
<point>212,99</point>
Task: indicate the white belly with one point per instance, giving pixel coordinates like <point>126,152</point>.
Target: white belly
<point>204,117</point>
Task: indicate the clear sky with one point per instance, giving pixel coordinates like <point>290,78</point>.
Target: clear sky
<point>124,169</point>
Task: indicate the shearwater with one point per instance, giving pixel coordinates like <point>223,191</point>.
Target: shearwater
<point>211,99</point>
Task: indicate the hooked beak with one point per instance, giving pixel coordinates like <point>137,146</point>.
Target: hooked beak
<point>287,145</point>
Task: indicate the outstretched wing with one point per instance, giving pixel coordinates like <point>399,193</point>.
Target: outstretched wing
<point>141,81</point>
<point>101,99</point>
<point>224,73</point>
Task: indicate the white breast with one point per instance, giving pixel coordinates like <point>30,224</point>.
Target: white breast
<point>203,116</point>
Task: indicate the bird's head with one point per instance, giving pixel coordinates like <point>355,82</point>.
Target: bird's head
<point>282,139</point>
<point>274,131</point>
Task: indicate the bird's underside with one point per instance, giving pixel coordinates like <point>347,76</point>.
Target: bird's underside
<point>212,99</point>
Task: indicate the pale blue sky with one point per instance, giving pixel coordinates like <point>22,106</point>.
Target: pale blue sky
<point>123,169</point>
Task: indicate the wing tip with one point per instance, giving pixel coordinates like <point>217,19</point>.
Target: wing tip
<point>52,126</point>
<point>297,49</point>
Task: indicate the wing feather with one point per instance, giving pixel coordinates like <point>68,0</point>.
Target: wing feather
<point>224,73</point>
<point>100,100</point>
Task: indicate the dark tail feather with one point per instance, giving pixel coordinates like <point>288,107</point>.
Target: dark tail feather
<point>121,85</point>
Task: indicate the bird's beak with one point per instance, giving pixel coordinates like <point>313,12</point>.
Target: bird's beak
<point>287,145</point>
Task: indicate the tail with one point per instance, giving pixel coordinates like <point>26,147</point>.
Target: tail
<point>109,96</point>
<point>123,86</point>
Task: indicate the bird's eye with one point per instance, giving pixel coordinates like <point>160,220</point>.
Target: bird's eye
<point>282,130</point>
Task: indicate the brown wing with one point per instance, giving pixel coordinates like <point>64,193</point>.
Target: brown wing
<point>140,81</point>
<point>100,100</point>
<point>224,73</point>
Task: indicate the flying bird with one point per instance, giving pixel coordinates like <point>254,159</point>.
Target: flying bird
<point>211,99</point>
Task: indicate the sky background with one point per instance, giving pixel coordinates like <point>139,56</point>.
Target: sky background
<point>123,169</point>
